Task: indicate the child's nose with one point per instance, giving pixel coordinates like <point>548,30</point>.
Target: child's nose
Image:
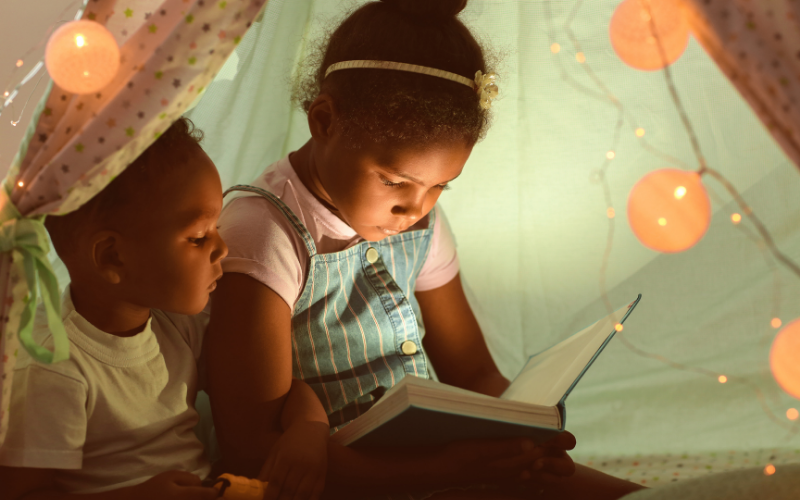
<point>411,209</point>
<point>220,251</point>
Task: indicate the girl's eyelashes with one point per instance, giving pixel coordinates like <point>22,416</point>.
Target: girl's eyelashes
<point>388,183</point>
<point>198,241</point>
<point>443,187</point>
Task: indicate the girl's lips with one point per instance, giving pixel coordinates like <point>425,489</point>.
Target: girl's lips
<point>389,231</point>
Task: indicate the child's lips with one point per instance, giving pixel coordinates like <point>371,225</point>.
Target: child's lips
<point>213,285</point>
<point>390,231</point>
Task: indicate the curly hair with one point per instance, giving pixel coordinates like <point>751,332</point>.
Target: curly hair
<point>381,106</point>
<point>162,159</point>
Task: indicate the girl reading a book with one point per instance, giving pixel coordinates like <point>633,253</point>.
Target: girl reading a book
<point>342,271</point>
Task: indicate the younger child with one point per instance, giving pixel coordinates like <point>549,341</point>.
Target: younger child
<point>116,420</point>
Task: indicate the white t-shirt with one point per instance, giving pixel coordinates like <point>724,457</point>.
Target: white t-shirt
<point>118,412</point>
<point>263,244</point>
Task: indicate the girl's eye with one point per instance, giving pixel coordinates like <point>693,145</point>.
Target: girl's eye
<point>442,187</point>
<point>387,182</point>
<point>198,241</point>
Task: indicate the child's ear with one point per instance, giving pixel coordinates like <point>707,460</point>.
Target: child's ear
<point>106,258</point>
<point>321,117</point>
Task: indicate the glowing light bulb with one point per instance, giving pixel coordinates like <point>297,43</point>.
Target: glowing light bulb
<point>736,218</point>
<point>680,192</point>
<point>5,94</point>
<point>640,132</point>
<point>722,379</point>
<point>580,57</point>
<point>659,219</point>
<point>611,213</point>
<point>555,48</point>
<point>769,470</point>
<point>632,36</point>
<point>792,414</point>
<point>20,184</point>
<point>82,57</point>
<point>776,322</point>
<point>611,155</point>
<point>20,62</point>
<point>783,356</point>
<point>618,327</point>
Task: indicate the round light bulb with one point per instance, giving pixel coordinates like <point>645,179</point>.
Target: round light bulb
<point>784,356</point>
<point>669,210</point>
<point>82,57</point>
<point>632,35</point>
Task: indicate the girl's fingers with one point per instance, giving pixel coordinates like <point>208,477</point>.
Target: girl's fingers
<point>557,466</point>
<point>306,485</point>
<point>275,483</point>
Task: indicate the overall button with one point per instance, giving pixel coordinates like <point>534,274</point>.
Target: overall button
<point>409,348</point>
<point>372,255</point>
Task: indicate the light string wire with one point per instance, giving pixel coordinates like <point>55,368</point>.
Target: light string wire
<point>10,94</point>
<point>600,176</point>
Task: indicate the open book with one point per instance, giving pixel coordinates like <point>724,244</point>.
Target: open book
<point>425,412</point>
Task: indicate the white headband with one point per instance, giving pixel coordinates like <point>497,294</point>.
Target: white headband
<point>483,84</point>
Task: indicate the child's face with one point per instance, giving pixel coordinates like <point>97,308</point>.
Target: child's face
<point>381,191</point>
<point>173,260</point>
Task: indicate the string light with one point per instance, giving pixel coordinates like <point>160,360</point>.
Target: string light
<point>20,62</point>
<point>792,414</point>
<point>555,48</point>
<point>605,95</point>
<point>776,323</point>
<point>618,327</point>
<point>610,212</point>
<point>722,379</point>
<point>736,218</point>
<point>633,28</point>
<point>5,94</point>
<point>611,155</point>
<point>769,470</point>
<point>669,210</point>
<point>20,184</point>
<point>82,57</point>
<point>580,57</point>
<point>783,358</point>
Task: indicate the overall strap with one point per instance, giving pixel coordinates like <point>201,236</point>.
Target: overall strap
<point>285,210</point>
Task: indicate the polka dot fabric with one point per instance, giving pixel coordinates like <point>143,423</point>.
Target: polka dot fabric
<point>170,51</point>
<point>659,470</point>
<point>757,44</point>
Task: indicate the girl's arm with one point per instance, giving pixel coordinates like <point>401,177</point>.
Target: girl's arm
<point>455,343</point>
<point>22,483</point>
<point>249,366</point>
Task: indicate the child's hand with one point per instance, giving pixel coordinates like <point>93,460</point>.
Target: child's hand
<point>297,463</point>
<point>172,485</point>
<point>555,461</point>
<point>487,461</point>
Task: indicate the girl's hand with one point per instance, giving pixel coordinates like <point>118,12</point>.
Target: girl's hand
<point>556,463</point>
<point>171,485</point>
<point>296,466</point>
<point>487,461</point>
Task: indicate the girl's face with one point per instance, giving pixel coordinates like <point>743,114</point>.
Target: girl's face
<point>382,191</point>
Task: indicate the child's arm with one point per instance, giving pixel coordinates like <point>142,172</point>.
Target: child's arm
<point>19,483</point>
<point>297,463</point>
<point>249,379</point>
<point>455,343</point>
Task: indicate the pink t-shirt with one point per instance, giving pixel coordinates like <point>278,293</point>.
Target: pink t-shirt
<point>264,245</point>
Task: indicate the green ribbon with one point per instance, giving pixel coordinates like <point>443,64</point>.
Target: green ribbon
<point>28,237</point>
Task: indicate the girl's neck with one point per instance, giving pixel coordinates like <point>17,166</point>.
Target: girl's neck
<point>108,313</point>
<point>304,164</point>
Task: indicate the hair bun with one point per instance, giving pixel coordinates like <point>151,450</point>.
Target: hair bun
<point>439,10</point>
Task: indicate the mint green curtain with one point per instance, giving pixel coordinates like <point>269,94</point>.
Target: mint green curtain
<point>531,225</point>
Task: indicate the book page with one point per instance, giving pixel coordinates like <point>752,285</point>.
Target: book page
<point>548,375</point>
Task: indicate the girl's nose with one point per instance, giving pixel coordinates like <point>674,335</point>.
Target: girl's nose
<point>411,209</point>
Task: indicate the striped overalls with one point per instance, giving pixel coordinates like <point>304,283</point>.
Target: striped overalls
<point>357,328</point>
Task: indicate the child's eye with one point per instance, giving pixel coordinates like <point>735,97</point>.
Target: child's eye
<point>387,182</point>
<point>198,241</point>
<point>442,187</point>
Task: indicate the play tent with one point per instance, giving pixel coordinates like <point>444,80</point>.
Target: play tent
<point>540,211</point>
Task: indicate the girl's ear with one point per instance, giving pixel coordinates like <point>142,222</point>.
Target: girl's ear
<point>106,259</point>
<point>321,118</point>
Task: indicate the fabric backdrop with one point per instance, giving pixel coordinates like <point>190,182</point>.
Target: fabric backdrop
<point>531,225</point>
